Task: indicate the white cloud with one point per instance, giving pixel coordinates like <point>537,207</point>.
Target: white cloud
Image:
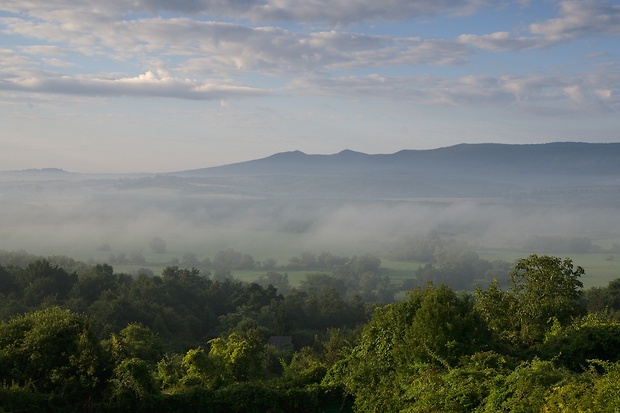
<point>604,94</point>
<point>216,48</point>
<point>332,12</point>
<point>11,59</point>
<point>274,50</point>
<point>52,62</point>
<point>503,41</point>
<point>145,85</point>
<point>44,50</point>
<point>577,18</point>
<point>343,12</point>
<point>404,52</point>
<point>191,58</point>
<point>534,94</point>
<point>581,18</point>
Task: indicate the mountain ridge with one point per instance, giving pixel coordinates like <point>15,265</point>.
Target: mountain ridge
<point>486,170</point>
<point>555,157</point>
<point>565,171</point>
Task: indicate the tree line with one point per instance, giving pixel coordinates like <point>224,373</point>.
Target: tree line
<point>85,338</point>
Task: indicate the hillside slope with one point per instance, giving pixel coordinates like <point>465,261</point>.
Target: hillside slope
<point>465,170</point>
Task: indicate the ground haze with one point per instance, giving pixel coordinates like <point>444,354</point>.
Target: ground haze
<point>515,199</point>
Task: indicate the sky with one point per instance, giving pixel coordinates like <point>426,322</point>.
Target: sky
<point>169,85</point>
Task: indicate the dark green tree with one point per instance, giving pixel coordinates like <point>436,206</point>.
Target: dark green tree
<point>40,280</point>
<point>433,329</point>
<point>593,337</point>
<point>52,351</point>
<point>136,341</point>
<point>543,289</point>
<point>524,389</point>
<point>243,355</point>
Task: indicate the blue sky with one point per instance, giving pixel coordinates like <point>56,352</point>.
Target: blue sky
<point>166,85</point>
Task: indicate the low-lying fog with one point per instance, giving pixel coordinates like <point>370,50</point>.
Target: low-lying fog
<point>77,219</point>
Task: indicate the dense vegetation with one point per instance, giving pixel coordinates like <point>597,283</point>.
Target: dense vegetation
<point>77,337</point>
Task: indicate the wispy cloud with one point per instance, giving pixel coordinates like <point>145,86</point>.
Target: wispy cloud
<point>581,18</point>
<point>145,85</point>
<point>556,95</point>
<point>331,12</point>
<point>577,19</point>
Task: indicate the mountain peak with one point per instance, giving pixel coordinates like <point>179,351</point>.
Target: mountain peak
<point>289,154</point>
<point>349,153</point>
<point>479,162</point>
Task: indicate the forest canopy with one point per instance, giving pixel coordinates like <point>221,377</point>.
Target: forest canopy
<point>79,337</point>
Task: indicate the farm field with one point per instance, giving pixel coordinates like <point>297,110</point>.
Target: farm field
<point>600,268</point>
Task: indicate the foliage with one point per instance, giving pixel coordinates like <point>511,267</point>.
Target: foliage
<point>233,260</point>
<point>588,392</point>
<point>545,287</point>
<point>275,279</point>
<point>604,299</point>
<point>427,333</point>
<point>94,340</point>
<point>497,308</point>
<point>542,289</point>
<point>591,337</point>
<point>525,388</point>
<point>242,356</point>
<point>449,262</point>
<point>132,384</point>
<point>460,389</point>
<point>51,351</point>
<point>136,342</point>
<point>444,328</point>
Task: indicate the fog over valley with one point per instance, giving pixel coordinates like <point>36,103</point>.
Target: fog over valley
<point>496,198</point>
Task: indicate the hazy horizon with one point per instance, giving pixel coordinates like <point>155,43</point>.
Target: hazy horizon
<point>167,171</point>
<point>287,205</point>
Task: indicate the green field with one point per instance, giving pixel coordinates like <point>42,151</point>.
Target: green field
<point>600,268</point>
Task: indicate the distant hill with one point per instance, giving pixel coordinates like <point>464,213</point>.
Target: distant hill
<point>465,170</point>
<point>43,174</point>
<point>555,172</point>
<point>590,159</point>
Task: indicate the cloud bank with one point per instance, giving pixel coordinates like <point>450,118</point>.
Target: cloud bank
<point>207,50</point>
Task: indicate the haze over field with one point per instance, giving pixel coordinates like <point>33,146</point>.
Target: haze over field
<point>492,196</point>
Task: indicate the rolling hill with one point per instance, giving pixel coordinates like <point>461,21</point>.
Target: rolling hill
<point>462,171</point>
<point>562,171</point>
